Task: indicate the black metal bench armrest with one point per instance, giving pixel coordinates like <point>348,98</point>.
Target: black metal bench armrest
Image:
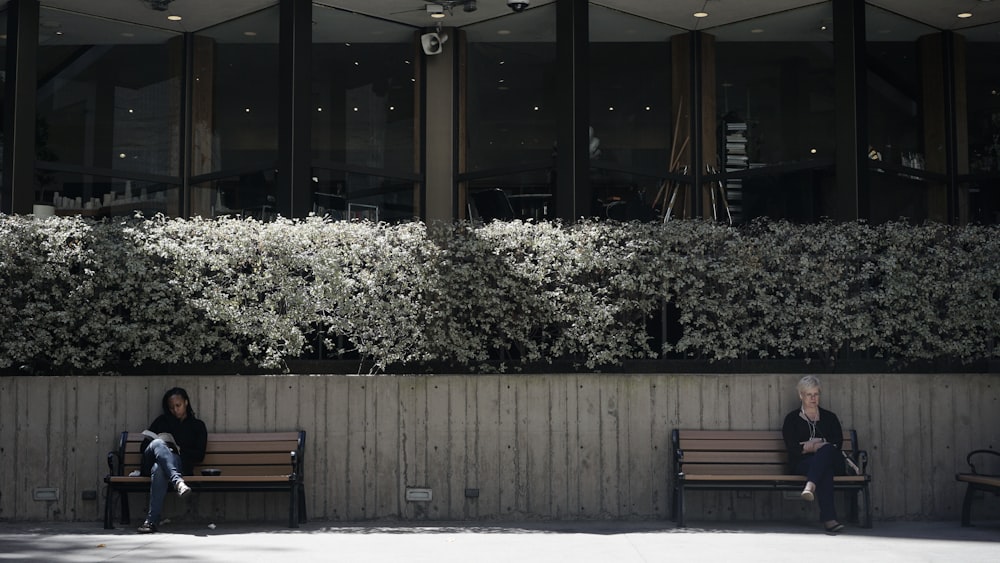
<point>112,458</point>
<point>968,458</point>
<point>861,458</point>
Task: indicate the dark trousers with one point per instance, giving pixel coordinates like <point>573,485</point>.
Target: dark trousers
<point>820,469</point>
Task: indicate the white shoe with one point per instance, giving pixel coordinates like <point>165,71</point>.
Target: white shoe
<point>182,488</point>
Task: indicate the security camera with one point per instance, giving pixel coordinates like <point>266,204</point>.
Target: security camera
<point>518,5</point>
<point>432,42</point>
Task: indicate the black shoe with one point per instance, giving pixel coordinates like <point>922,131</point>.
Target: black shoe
<point>147,528</point>
<point>835,529</point>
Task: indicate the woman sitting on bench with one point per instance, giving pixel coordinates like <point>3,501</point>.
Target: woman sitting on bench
<point>180,445</point>
<point>813,437</point>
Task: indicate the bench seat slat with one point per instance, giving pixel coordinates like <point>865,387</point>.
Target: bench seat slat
<point>988,480</point>
<point>778,458</point>
<point>763,477</point>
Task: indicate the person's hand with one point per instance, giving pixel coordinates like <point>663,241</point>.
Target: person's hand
<point>812,444</point>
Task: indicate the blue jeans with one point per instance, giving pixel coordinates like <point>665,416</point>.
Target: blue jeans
<point>820,469</point>
<point>166,471</point>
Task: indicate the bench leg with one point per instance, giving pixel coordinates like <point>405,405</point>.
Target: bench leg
<point>866,495</point>
<point>302,504</point>
<point>126,517</point>
<point>293,506</point>
<point>109,517</point>
<point>679,507</point>
<point>970,492</point>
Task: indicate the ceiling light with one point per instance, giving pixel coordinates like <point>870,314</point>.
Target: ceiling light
<point>965,15</point>
<point>701,14</point>
<point>174,18</point>
<point>435,11</point>
<point>250,33</point>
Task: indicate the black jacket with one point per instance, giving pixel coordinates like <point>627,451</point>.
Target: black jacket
<point>796,430</point>
<point>190,434</point>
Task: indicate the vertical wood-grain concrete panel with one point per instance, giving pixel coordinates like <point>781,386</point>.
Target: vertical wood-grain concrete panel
<point>561,446</point>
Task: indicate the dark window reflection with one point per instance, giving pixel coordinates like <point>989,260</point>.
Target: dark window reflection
<point>775,104</point>
<point>983,91</point>
<point>104,104</point>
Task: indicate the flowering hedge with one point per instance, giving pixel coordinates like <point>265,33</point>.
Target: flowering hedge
<point>79,296</point>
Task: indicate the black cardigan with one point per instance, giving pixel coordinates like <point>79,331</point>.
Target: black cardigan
<point>796,430</point>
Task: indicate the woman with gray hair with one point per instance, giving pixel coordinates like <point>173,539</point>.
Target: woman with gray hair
<point>813,436</point>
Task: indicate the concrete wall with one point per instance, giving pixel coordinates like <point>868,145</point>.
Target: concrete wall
<point>553,446</point>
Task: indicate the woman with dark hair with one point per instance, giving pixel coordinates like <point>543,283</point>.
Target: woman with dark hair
<point>168,458</point>
<point>813,437</point>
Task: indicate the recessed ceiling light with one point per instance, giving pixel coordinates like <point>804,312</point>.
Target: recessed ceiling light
<point>700,14</point>
<point>250,33</point>
<point>503,32</point>
<point>128,34</point>
<point>964,15</point>
<point>174,18</point>
<point>756,30</point>
<point>435,11</point>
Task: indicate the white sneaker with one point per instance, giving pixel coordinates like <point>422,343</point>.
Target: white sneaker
<point>182,488</point>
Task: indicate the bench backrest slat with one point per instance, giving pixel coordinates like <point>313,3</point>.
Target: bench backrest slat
<point>251,454</point>
<point>734,452</point>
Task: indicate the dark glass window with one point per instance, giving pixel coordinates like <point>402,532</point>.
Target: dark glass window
<point>510,103</point>
<point>774,103</point>
<point>905,118</point>
<point>363,107</point>
<point>630,111</point>
<point>982,51</point>
<point>235,113</point>
<point>108,115</point>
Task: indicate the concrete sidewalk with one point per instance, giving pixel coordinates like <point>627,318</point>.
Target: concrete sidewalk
<point>519,542</point>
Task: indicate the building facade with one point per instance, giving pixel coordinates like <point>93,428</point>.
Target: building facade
<point>802,110</point>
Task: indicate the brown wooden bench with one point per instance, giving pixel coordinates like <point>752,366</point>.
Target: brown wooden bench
<point>249,462</point>
<point>976,481</point>
<point>752,460</point>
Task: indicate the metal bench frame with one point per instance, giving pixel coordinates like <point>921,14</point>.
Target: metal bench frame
<point>250,462</point>
<point>754,460</point>
<point>975,482</point>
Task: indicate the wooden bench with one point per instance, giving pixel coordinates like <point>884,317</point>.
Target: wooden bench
<point>976,481</point>
<point>752,460</point>
<point>249,462</point>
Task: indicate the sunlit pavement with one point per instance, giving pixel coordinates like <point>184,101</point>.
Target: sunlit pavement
<point>518,542</point>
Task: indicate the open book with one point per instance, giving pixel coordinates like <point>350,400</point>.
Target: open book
<point>165,436</point>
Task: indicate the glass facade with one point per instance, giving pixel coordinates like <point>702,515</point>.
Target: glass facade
<point>982,90</point>
<point>189,120</point>
<point>234,111</point>
<point>905,98</point>
<point>108,116</point>
<point>631,116</point>
<point>775,105</point>
<point>510,104</point>
<point>364,117</point>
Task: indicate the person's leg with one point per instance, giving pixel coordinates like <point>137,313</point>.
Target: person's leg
<point>165,470</point>
<point>157,491</point>
<point>821,471</point>
<point>167,460</point>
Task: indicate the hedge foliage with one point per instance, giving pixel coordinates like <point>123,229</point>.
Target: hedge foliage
<point>79,296</point>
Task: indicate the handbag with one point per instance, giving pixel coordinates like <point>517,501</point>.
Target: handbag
<point>851,466</point>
